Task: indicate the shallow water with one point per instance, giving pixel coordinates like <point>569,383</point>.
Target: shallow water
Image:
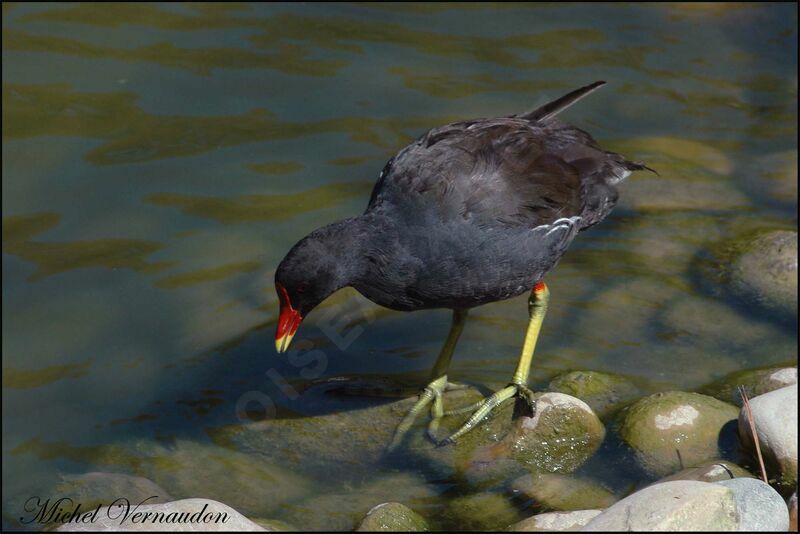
<point>159,160</point>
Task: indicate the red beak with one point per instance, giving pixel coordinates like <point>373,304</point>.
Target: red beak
<point>288,321</point>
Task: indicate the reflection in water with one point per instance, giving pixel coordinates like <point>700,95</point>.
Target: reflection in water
<point>287,59</point>
<point>249,208</point>
<point>276,167</point>
<point>207,275</point>
<point>34,378</point>
<point>58,257</point>
<point>132,135</point>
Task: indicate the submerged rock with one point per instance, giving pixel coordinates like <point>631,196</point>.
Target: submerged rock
<point>91,489</point>
<point>668,431</point>
<point>755,381</point>
<point>775,177</point>
<point>603,392</point>
<point>189,468</point>
<point>738,504</point>
<point>555,521</point>
<point>481,511</point>
<point>646,194</point>
<point>775,418</point>
<point>713,471</point>
<point>550,491</point>
<point>344,507</point>
<point>187,515</point>
<point>766,271</point>
<point>394,517</point>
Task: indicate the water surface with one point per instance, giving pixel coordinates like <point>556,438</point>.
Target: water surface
<point>160,159</point>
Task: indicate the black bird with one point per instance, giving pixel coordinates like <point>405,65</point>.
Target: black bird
<point>470,213</point>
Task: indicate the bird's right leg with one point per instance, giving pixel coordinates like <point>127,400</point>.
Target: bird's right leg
<point>434,392</point>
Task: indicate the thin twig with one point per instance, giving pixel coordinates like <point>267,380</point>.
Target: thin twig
<point>746,403</point>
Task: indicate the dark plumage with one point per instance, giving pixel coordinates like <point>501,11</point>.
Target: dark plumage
<point>470,213</point>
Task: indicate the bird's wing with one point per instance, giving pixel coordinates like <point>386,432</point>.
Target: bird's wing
<point>496,172</point>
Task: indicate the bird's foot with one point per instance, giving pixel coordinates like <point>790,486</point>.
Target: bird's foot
<point>484,407</point>
<point>432,394</point>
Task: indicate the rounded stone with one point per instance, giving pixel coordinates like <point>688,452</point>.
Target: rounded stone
<point>562,435</point>
<point>670,430</point>
<point>775,419</point>
<point>759,506</point>
<point>394,517</point>
<point>713,471</point>
<point>555,521</point>
<point>755,382</point>
<point>603,392</point>
<point>672,506</point>
<point>766,271</point>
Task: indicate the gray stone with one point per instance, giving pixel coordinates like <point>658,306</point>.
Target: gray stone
<point>766,271</point>
<point>760,508</point>
<point>555,521</point>
<point>551,491</point>
<point>187,515</point>
<point>668,431</point>
<point>775,418</point>
<point>713,471</point>
<point>755,382</point>
<point>603,392</point>
<point>676,505</point>
<point>392,516</point>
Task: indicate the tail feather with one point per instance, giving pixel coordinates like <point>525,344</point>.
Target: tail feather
<point>551,109</point>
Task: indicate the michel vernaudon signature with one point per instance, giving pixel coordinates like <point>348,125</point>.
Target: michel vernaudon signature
<point>122,511</point>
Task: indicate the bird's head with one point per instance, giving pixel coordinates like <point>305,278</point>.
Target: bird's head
<point>314,268</point>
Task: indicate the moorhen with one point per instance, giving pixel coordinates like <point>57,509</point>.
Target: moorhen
<point>470,213</point>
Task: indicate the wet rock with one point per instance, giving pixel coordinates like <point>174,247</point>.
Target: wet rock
<point>187,515</point>
<point>713,471</point>
<point>676,505</point>
<point>91,489</point>
<point>555,521</point>
<point>561,436</point>
<point>743,504</point>
<point>394,517</point>
<point>603,392</point>
<point>668,431</point>
<point>189,468</point>
<point>755,381</point>
<point>758,506</point>
<point>766,271</point>
<point>481,511</point>
<point>775,418</point>
<point>346,506</point>
<point>347,443</point>
<point>550,491</point>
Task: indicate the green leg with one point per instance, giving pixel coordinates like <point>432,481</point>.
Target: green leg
<point>537,308</point>
<point>432,394</point>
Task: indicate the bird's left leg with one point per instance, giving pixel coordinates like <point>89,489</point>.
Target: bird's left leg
<point>537,308</point>
<point>433,392</point>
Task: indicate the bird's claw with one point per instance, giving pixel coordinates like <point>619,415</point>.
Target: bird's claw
<point>433,394</point>
<point>483,408</point>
